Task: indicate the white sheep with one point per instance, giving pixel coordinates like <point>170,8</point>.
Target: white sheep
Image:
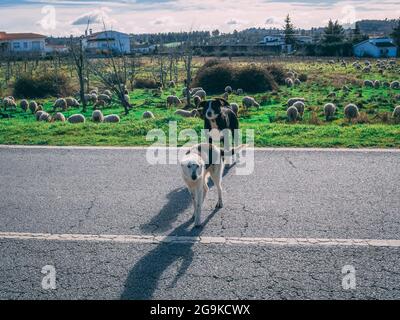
<point>33,106</point>
<point>291,101</point>
<point>368,83</point>
<point>196,100</point>
<point>112,118</point>
<point>59,117</point>
<point>292,114</point>
<point>173,100</point>
<point>289,82</point>
<point>297,82</point>
<point>300,106</point>
<point>77,118</point>
<point>377,84</point>
<point>329,111</point>
<point>44,116</point>
<point>201,93</point>
<point>250,102</point>
<point>239,92</point>
<point>38,114</point>
<point>187,114</point>
<point>148,115</point>
<point>225,96</point>
<point>24,104</point>
<point>104,97</point>
<point>395,85</point>
<point>97,116</point>
<point>228,89</point>
<point>351,111</point>
<point>72,102</point>
<point>60,104</point>
<point>194,90</point>
<point>396,113</point>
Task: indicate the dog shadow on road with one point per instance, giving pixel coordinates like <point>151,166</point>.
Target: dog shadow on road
<point>178,201</point>
<point>143,279</point>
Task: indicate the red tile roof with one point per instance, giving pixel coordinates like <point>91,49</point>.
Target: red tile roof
<point>20,36</point>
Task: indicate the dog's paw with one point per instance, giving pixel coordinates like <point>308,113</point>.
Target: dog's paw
<point>219,205</point>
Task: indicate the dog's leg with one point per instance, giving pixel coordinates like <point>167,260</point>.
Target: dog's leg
<point>217,178</point>
<point>198,203</point>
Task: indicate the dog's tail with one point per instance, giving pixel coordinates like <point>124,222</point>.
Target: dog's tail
<point>233,150</point>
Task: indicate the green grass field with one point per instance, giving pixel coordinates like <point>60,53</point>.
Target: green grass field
<point>374,129</point>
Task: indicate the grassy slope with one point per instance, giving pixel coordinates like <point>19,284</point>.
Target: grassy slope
<point>269,122</point>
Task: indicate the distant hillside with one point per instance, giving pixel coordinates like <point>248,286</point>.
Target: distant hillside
<point>377,27</point>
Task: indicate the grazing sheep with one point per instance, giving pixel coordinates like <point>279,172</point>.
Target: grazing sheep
<point>396,113</point>
<point>148,115</point>
<point>104,97</point>
<point>300,106</point>
<point>38,114</point>
<point>112,118</point>
<point>89,98</point>
<point>59,117</point>
<point>351,111</point>
<point>196,100</point>
<point>173,100</point>
<point>228,89</point>
<point>397,97</point>
<point>195,90</point>
<point>187,114</point>
<point>377,84</point>
<point>60,104</point>
<point>239,92</point>
<point>97,116</point>
<point>368,83</point>
<point>40,107</point>
<point>108,92</point>
<point>386,84</point>
<point>290,74</point>
<point>250,102</point>
<point>24,104</point>
<point>289,82</point>
<point>9,102</point>
<point>77,118</point>
<point>395,85</point>
<point>291,101</point>
<point>225,96</point>
<point>94,91</point>
<point>297,82</point>
<point>33,106</point>
<point>44,116</point>
<point>99,104</point>
<point>234,107</point>
<point>292,114</point>
<point>329,111</point>
<point>72,102</point>
<point>201,93</point>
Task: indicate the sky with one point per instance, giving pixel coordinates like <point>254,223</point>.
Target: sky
<point>66,17</point>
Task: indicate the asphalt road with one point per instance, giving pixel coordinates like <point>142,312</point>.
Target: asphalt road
<point>291,194</point>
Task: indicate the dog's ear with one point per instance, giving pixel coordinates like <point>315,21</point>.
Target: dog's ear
<point>223,102</point>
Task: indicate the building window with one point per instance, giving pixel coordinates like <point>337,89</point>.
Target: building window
<point>25,45</point>
<point>35,45</point>
<point>16,45</point>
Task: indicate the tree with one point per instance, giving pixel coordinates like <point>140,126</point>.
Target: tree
<point>289,31</point>
<point>357,35</point>
<point>396,36</point>
<point>333,33</point>
<point>78,55</point>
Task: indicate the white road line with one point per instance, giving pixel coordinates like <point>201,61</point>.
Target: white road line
<point>362,150</point>
<point>139,239</point>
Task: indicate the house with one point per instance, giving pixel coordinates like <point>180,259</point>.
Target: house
<point>144,48</point>
<point>107,40</point>
<point>22,43</point>
<point>278,40</point>
<point>376,48</point>
<point>56,48</point>
<point>273,40</point>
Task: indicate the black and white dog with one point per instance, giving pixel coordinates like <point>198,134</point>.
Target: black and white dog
<point>219,117</point>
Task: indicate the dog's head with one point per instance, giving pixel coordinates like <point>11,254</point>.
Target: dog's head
<point>211,109</point>
<point>192,168</point>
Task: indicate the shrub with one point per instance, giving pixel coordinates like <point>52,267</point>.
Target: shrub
<point>145,83</point>
<point>278,73</point>
<point>45,85</point>
<point>214,79</point>
<point>303,77</point>
<point>254,79</point>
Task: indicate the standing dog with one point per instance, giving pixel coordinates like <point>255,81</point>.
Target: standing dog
<point>200,162</point>
<point>218,116</point>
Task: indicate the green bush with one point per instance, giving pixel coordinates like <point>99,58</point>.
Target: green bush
<point>253,79</point>
<point>215,75</point>
<point>41,86</point>
<point>145,83</point>
<point>277,72</point>
<point>215,78</point>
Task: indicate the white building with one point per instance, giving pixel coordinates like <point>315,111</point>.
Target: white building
<point>108,40</point>
<point>376,48</point>
<point>22,42</point>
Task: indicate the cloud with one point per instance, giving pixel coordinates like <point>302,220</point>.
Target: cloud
<point>98,16</point>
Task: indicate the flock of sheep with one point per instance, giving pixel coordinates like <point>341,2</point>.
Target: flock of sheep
<point>294,111</point>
